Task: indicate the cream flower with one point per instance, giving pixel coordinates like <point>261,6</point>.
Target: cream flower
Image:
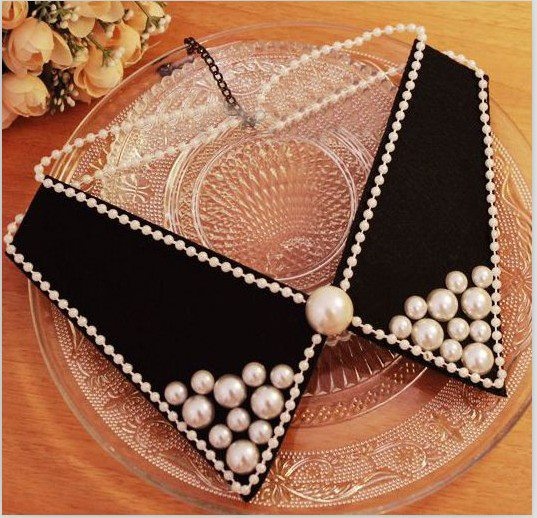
<point>88,12</point>
<point>124,37</point>
<point>13,14</point>
<point>138,20</point>
<point>28,47</point>
<point>22,95</point>
<point>96,78</point>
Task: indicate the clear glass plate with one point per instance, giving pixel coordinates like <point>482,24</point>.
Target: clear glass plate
<point>374,430</point>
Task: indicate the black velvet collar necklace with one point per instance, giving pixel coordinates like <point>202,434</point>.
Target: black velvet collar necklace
<point>164,308</point>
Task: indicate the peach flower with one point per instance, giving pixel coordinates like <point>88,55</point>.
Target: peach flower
<point>138,20</point>
<point>22,95</point>
<point>125,37</point>
<point>61,56</point>
<point>29,46</point>
<point>88,12</point>
<point>13,14</point>
<point>96,78</point>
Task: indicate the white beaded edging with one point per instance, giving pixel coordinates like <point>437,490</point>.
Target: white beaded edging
<point>170,240</point>
<point>386,159</point>
<point>155,397</point>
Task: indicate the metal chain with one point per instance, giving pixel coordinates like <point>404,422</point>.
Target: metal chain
<point>192,46</point>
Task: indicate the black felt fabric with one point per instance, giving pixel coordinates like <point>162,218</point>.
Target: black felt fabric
<point>167,314</point>
<point>432,214</point>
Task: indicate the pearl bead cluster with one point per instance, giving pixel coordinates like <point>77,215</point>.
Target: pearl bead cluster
<point>171,240</point>
<point>230,391</point>
<point>393,136</point>
<point>278,378</point>
<point>428,334</point>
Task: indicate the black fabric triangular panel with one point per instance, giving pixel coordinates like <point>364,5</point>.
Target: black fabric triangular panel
<point>168,314</point>
<point>432,216</point>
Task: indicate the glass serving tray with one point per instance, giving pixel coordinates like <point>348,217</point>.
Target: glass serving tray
<point>374,430</point>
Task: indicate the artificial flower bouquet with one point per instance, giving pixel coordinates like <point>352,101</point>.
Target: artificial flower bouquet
<point>55,54</point>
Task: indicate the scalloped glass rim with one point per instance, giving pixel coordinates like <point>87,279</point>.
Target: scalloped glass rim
<point>113,445</point>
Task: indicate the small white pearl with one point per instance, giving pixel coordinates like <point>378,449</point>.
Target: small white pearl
<point>242,457</point>
<point>229,391</point>
<point>476,303</point>
<point>267,402</point>
<point>482,276</point>
<point>260,432</point>
<point>477,357</point>
<point>400,326</point>
<point>198,411</point>
<point>281,376</point>
<point>456,281</point>
<point>458,329</point>
<point>480,331</point>
<point>415,307</point>
<point>451,350</point>
<point>220,436</point>
<point>238,419</point>
<point>329,310</point>
<point>254,374</point>
<point>428,334</point>
<point>202,382</point>
<point>442,304</point>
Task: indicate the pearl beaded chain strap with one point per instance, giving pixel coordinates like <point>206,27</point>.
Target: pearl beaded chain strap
<point>329,309</point>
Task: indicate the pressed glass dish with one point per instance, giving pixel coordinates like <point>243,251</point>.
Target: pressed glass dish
<point>374,430</point>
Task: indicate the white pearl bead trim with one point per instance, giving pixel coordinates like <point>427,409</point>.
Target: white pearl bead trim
<point>333,98</point>
<point>372,202</point>
<point>179,244</point>
<point>336,46</point>
<point>154,396</point>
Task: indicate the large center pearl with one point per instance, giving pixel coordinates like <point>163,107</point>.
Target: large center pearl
<point>229,391</point>
<point>428,334</point>
<point>442,304</point>
<point>198,411</point>
<point>476,303</point>
<point>478,358</point>
<point>242,457</point>
<point>329,310</point>
<point>267,402</point>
